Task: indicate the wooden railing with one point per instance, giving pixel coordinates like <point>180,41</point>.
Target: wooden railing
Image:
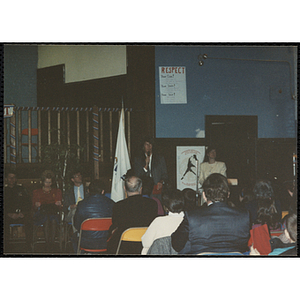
<point>93,128</point>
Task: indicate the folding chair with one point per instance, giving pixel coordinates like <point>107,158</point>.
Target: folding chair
<point>133,234</point>
<point>93,224</point>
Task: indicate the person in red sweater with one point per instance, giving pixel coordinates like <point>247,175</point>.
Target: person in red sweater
<point>47,203</point>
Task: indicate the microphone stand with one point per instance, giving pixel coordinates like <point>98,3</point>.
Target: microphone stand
<point>197,181</point>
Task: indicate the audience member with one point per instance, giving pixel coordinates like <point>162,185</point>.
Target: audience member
<point>150,163</point>
<point>215,228</point>
<point>47,203</point>
<point>266,210</point>
<point>17,209</point>
<point>189,196</point>
<point>134,211</point>
<point>96,205</point>
<point>280,248</point>
<point>265,204</point>
<point>162,226</point>
<point>73,195</point>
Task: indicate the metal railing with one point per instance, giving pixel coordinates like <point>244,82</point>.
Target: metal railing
<point>92,128</point>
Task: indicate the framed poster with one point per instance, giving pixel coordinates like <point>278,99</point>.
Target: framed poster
<point>188,162</point>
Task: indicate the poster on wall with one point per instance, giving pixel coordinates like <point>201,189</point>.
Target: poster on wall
<point>188,162</point>
<point>172,85</point>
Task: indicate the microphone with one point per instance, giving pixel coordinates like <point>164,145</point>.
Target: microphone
<point>195,157</point>
<point>148,153</point>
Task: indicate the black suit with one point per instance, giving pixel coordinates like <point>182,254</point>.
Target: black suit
<point>215,228</point>
<point>158,167</point>
<point>135,211</point>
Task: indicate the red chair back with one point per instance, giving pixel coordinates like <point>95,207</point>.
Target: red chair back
<point>94,224</point>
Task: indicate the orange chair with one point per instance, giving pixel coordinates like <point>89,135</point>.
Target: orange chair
<point>93,224</point>
<point>133,234</point>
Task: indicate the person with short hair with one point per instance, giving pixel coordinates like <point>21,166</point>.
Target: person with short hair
<point>134,211</point>
<point>216,228</point>
<point>73,195</point>
<point>163,226</point>
<point>17,209</point>
<point>47,203</point>
<point>96,205</point>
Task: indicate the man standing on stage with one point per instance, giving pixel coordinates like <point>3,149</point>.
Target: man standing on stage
<point>152,165</point>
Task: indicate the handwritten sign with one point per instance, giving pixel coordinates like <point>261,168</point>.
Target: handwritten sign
<point>8,110</point>
<point>172,85</point>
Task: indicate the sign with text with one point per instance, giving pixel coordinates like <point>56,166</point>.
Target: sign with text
<point>188,163</point>
<point>8,110</point>
<point>172,85</point>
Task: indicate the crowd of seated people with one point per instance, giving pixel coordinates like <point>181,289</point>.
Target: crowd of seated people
<point>176,224</point>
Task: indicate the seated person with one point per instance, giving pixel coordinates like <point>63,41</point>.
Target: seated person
<point>96,205</point>
<point>17,209</point>
<point>189,196</point>
<point>263,195</point>
<point>47,203</point>
<point>280,248</point>
<point>73,195</point>
<point>134,211</point>
<point>162,226</point>
<point>216,227</point>
<point>266,216</point>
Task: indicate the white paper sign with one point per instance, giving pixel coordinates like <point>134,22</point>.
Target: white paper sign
<point>188,163</point>
<point>172,85</point>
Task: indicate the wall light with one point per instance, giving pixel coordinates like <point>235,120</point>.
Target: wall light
<point>201,58</point>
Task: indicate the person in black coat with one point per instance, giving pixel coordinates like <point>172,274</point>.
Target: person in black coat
<point>96,205</point>
<point>17,209</point>
<point>216,227</point>
<point>134,211</point>
<point>150,163</point>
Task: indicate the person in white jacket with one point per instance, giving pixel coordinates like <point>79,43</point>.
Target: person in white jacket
<point>163,226</point>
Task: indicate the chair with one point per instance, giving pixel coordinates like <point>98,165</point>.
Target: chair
<point>284,213</point>
<point>15,234</point>
<point>133,234</point>
<point>93,224</point>
<point>39,236</point>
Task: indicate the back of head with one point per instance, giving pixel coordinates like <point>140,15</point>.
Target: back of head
<point>189,196</point>
<point>173,200</point>
<point>291,226</point>
<point>96,187</point>
<point>263,190</point>
<point>216,187</point>
<point>264,195</point>
<point>133,184</point>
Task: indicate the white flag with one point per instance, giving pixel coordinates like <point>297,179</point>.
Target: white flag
<point>121,163</point>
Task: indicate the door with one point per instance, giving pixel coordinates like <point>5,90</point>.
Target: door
<point>235,140</point>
